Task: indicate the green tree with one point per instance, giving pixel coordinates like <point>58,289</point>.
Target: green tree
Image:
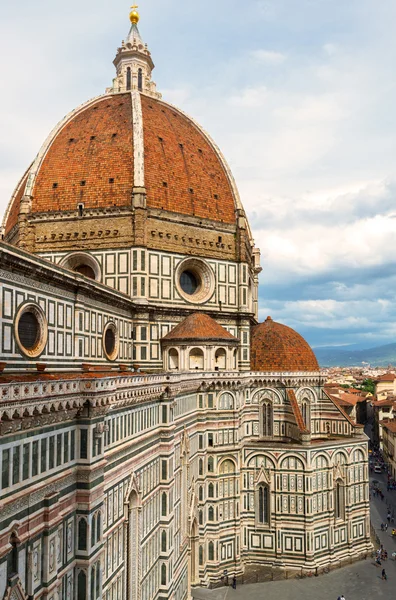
<point>368,385</point>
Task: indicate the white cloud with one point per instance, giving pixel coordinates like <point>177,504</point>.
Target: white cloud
<point>251,97</point>
<point>268,57</point>
<point>311,144</point>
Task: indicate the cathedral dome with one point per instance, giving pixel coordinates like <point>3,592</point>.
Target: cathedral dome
<point>276,347</point>
<point>117,143</point>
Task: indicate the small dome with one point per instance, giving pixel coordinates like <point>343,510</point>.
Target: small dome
<point>199,327</point>
<point>276,347</point>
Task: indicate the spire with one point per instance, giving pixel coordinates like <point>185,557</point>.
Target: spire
<point>133,62</point>
<point>134,18</point>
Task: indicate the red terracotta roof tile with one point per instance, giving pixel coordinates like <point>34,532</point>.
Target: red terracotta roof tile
<point>389,425</point>
<point>385,402</point>
<point>296,411</point>
<point>199,326</point>
<point>93,147</point>
<point>386,377</point>
<point>178,154</point>
<point>91,161</point>
<point>276,347</point>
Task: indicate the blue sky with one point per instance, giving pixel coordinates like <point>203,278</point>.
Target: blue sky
<point>300,96</point>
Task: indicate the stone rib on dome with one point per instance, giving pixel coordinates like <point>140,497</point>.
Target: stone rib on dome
<point>199,327</point>
<point>276,347</point>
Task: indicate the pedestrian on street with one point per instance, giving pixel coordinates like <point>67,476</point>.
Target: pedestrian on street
<point>386,526</point>
<point>384,574</point>
<point>388,517</point>
<point>341,597</point>
<point>234,582</point>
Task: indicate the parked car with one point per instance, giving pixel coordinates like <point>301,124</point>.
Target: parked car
<point>377,469</point>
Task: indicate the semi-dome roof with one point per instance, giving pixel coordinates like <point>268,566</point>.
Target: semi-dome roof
<point>276,347</point>
<point>199,327</point>
<point>120,141</point>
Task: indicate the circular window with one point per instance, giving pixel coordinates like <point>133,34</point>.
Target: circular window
<point>110,341</point>
<point>195,280</point>
<point>31,330</point>
<point>189,283</point>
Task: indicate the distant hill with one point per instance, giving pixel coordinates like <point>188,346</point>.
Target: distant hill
<point>339,356</point>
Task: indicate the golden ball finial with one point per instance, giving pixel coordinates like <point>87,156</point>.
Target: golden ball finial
<point>134,15</point>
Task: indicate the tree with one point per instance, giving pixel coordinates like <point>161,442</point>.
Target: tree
<point>368,385</point>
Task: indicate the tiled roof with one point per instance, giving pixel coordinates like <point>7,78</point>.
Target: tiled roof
<point>276,347</point>
<point>352,398</point>
<point>297,412</point>
<point>386,377</point>
<point>177,154</point>
<point>33,377</point>
<point>93,147</point>
<point>390,425</point>
<point>90,160</point>
<point>342,411</point>
<point>199,326</point>
<point>386,402</point>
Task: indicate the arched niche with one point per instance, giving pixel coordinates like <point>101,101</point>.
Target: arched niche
<point>173,359</point>
<point>220,359</point>
<point>196,359</point>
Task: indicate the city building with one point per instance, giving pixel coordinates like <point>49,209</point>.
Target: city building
<point>389,444</point>
<point>154,436</point>
<point>383,410</point>
<point>385,386</point>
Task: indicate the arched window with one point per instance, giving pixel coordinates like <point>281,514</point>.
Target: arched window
<point>93,571</point>
<point>227,466</point>
<point>163,541</point>
<point>12,559</point>
<point>211,551</point>
<point>263,504</point>
<point>82,534</point>
<point>210,464</point>
<point>201,556</point>
<point>200,517</point>
<point>140,80</point>
<point>129,79</point>
<point>200,493</point>
<point>305,413</point>
<point>164,504</point>
<point>226,402</point>
<point>98,526</point>
<point>235,359</point>
<point>82,586</point>
<point>163,574</point>
<point>200,466</point>
<point>173,359</point>
<point>93,530</point>
<point>211,513</point>
<point>339,500</point>
<point>98,586</point>
<point>211,490</point>
<point>267,419</point>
